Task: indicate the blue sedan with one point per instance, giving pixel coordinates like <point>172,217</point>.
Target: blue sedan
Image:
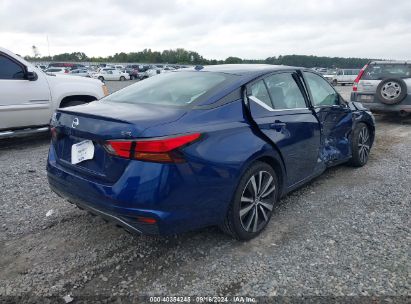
<point>214,145</point>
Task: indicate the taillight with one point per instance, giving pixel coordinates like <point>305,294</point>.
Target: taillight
<point>53,132</point>
<point>146,220</point>
<point>155,150</point>
<point>357,80</point>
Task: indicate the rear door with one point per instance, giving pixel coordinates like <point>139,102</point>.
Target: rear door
<point>279,108</point>
<point>335,118</point>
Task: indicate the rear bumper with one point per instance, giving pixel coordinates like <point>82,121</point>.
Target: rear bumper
<point>170,195</point>
<point>128,223</point>
<point>377,106</point>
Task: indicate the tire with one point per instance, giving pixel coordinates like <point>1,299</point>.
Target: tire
<point>334,82</point>
<point>72,103</point>
<point>253,202</point>
<point>132,77</point>
<point>122,78</point>
<point>101,78</point>
<point>360,145</point>
<point>391,91</point>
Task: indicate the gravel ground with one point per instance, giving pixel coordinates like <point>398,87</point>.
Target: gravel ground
<point>347,233</point>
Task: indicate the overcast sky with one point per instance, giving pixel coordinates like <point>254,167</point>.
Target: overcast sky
<point>253,29</point>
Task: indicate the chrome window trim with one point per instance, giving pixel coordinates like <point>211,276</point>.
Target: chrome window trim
<point>262,104</point>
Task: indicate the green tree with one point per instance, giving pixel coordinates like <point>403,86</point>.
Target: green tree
<point>231,60</point>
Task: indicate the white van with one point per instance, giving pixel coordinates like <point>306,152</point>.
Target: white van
<point>345,76</point>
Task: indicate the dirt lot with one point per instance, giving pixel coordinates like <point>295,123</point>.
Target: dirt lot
<point>347,233</point>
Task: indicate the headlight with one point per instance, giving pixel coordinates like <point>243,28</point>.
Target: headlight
<point>105,90</point>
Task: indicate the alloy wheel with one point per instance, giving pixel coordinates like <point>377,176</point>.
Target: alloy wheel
<point>257,201</point>
<point>364,144</point>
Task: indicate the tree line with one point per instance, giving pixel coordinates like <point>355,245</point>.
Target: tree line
<point>182,56</point>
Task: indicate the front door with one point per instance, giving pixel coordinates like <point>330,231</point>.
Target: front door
<point>279,108</point>
<point>23,103</point>
<point>335,118</point>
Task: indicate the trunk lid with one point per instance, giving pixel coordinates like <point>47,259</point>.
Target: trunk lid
<point>99,122</point>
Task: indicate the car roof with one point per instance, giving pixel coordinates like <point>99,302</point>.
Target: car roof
<point>391,62</point>
<point>244,69</point>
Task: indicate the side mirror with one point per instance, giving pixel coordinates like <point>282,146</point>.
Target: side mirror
<point>31,76</point>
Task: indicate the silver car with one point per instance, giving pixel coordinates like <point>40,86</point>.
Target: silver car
<point>384,86</point>
<point>80,72</point>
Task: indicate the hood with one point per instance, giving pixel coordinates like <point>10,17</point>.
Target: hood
<point>57,78</point>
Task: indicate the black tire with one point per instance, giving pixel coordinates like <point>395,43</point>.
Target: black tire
<point>122,78</point>
<point>72,103</point>
<point>334,82</point>
<point>101,78</point>
<point>132,77</point>
<point>247,209</point>
<point>391,91</point>
<point>360,145</point>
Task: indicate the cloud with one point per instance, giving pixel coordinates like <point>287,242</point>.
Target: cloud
<point>215,29</point>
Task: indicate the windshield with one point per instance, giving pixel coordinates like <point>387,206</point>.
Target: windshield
<point>174,88</point>
<point>382,71</point>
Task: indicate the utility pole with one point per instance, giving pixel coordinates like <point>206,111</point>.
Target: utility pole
<point>48,45</point>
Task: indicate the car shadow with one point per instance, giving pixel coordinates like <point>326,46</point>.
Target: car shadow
<point>25,142</point>
<point>392,118</point>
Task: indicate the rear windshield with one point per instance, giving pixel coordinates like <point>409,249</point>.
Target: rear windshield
<point>381,71</point>
<point>173,89</point>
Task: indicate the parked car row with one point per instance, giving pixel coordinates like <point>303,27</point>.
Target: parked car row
<point>101,71</point>
<point>145,71</point>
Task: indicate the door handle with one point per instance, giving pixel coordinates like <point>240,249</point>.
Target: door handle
<point>277,125</point>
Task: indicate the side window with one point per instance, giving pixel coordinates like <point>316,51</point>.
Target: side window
<point>322,92</point>
<point>340,72</point>
<point>9,69</point>
<point>284,91</point>
<point>259,91</point>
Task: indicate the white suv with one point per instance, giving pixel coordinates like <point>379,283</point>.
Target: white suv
<point>345,76</point>
<point>28,96</point>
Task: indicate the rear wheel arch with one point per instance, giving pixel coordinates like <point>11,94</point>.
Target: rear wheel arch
<point>233,219</point>
<point>277,167</point>
<point>273,159</point>
<point>75,100</point>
